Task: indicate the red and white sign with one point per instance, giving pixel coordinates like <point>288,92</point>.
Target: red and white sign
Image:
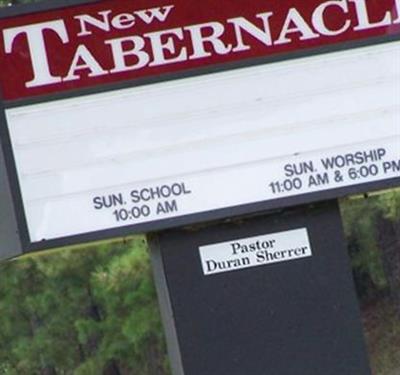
<point>123,114</point>
<point>114,41</point>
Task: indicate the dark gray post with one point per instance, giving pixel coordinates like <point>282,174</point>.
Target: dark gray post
<point>10,244</point>
<point>294,312</point>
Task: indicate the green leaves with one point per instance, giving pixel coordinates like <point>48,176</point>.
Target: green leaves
<point>362,218</point>
<point>81,312</point>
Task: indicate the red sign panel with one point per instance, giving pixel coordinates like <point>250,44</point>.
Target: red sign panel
<point>113,41</point>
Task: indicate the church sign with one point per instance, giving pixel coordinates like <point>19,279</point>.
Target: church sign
<point>120,117</point>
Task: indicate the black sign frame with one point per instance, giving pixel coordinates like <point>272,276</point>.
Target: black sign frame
<point>9,171</point>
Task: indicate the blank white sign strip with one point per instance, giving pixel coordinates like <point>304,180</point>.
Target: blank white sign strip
<point>69,151</point>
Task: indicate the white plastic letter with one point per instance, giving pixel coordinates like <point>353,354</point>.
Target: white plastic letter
<point>120,53</point>
<point>318,18</point>
<point>37,49</point>
<point>88,62</point>
<point>199,40</point>
<point>397,6</point>
<point>149,15</point>
<point>102,24</point>
<point>264,36</point>
<point>159,47</point>
<point>300,26</point>
<point>363,17</point>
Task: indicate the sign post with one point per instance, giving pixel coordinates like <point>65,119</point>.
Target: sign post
<point>10,243</point>
<point>121,118</point>
<point>272,293</point>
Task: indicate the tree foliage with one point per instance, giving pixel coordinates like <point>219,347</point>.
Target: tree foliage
<point>81,312</point>
<point>364,221</point>
<point>94,310</point>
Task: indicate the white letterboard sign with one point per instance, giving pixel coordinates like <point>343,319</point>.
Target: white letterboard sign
<point>123,117</point>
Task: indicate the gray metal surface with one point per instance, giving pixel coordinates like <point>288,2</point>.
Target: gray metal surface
<point>10,245</point>
<point>288,318</point>
<point>165,306</point>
